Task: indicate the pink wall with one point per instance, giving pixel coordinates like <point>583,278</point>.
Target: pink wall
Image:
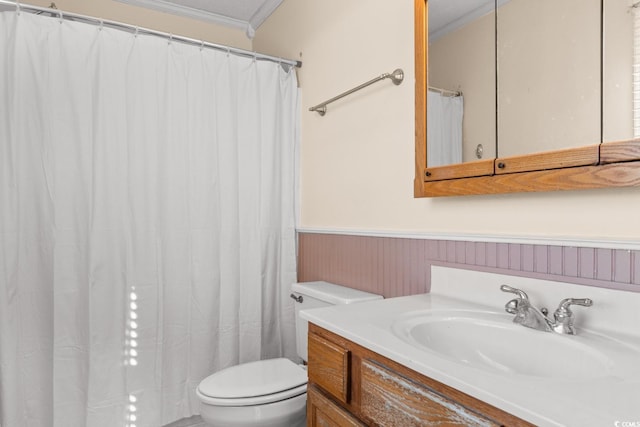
<point>401,266</point>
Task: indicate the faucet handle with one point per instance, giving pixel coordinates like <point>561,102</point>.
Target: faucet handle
<point>563,308</point>
<point>521,294</point>
<point>512,306</point>
<point>563,315</point>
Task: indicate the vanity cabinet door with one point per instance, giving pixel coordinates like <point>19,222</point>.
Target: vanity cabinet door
<point>389,399</point>
<point>329,367</point>
<point>321,412</point>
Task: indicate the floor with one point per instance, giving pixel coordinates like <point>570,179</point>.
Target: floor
<point>194,421</point>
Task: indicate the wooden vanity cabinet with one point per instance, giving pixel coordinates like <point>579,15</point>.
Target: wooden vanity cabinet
<point>350,385</point>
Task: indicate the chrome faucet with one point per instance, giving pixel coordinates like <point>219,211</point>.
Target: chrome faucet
<point>529,316</point>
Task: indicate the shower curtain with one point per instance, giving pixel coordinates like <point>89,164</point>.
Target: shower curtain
<point>444,129</point>
<point>147,234</point>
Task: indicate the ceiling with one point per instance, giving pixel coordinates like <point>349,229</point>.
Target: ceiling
<point>244,14</point>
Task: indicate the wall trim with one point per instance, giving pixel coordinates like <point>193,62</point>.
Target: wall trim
<point>467,237</point>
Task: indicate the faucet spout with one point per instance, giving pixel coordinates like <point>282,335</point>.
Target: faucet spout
<point>525,314</point>
<point>529,316</point>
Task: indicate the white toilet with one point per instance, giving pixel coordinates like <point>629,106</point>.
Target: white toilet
<point>271,393</point>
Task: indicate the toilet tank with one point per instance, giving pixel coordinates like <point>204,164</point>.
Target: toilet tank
<point>321,294</point>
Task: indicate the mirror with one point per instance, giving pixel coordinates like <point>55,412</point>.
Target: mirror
<point>618,58</point>
<point>462,81</point>
<point>541,75</point>
<point>556,100</point>
<point>548,75</point>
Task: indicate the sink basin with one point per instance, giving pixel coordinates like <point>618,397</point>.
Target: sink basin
<point>492,342</point>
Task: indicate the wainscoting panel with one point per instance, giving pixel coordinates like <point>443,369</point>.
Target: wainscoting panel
<point>396,266</point>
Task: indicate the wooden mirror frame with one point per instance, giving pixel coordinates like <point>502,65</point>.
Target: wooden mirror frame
<point>612,164</point>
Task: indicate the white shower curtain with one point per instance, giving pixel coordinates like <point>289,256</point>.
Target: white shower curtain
<point>146,221</point>
<point>444,129</point>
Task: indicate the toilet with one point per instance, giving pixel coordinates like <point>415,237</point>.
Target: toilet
<point>273,392</point>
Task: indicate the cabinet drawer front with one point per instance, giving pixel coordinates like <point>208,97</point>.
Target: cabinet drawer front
<point>329,367</point>
<point>321,412</point>
<point>389,399</point>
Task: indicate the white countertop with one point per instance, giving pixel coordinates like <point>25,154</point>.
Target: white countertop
<point>600,401</point>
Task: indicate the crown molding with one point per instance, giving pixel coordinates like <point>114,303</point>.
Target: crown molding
<point>167,7</point>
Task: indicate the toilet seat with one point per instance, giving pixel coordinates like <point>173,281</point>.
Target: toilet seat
<point>254,383</point>
<point>252,401</point>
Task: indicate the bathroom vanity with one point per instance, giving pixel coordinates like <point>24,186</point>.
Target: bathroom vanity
<point>350,385</point>
<point>455,357</point>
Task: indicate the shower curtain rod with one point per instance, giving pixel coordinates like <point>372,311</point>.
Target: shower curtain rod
<point>19,6</point>
<point>445,91</point>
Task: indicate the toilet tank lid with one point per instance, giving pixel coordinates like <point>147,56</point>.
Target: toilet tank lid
<point>332,293</point>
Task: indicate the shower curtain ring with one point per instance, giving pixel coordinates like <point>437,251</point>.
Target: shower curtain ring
<point>17,7</point>
<point>61,17</point>
<point>135,34</point>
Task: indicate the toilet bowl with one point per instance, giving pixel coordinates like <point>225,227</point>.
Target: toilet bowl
<point>269,392</point>
<point>272,392</point>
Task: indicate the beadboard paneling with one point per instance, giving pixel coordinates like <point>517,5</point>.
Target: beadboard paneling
<point>394,266</point>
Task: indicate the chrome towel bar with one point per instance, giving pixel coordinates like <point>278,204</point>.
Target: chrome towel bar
<point>396,77</point>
